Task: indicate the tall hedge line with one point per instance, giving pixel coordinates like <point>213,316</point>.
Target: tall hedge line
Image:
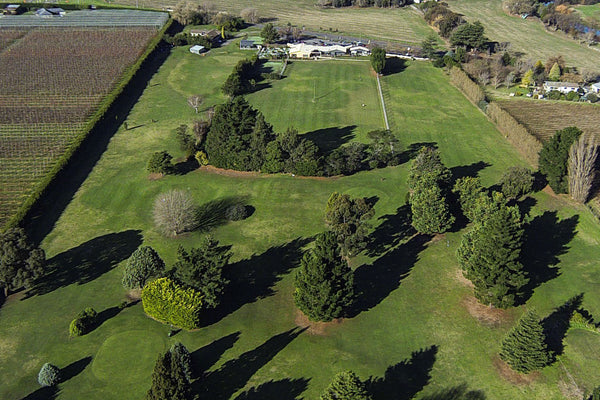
<point>168,302</point>
<point>103,108</point>
<point>471,90</point>
<point>516,134</point>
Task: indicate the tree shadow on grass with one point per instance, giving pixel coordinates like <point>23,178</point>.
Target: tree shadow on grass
<point>207,356</point>
<point>105,315</point>
<point>88,261</point>
<point>373,283</point>
<point>234,374</point>
<point>460,392</point>
<point>544,240</point>
<point>557,324</point>
<point>394,65</point>
<point>329,139</point>
<point>405,379</point>
<point>525,205</point>
<point>43,393</point>
<point>413,149</point>
<point>214,213</point>
<point>472,170</point>
<point>75,368</point>
<point>285,389</point>
<point>391,231</point>
<point>188,165</point>
<point>254,278</point>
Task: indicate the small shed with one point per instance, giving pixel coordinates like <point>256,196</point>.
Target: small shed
<point>596,87</point>
<point>247,45</point>
<point>197,49</point>
<point>57,11</point>
<point>13,9</point>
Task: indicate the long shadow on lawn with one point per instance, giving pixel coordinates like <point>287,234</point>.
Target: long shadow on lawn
<point>391,231</point>
<point>254,278</point>
<point>75,368</point>
<point>546,237</point>
<point>234,374</point>
<point>207,356</point>
<point>43,216</point>
<point>405,379</point>
<point>394,65</point>
<point>285,389</point>
<point>214,213</point>
<point>43,393</point>
<point>413,149</point>
<point>373,283</point>
<point>329,139</point>
<point>88,261</point>
<point>557,324</point>
<point>460,392</point>
<point>472,169</point>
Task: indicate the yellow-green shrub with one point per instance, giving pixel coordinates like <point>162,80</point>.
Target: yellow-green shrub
<point>168,302</point>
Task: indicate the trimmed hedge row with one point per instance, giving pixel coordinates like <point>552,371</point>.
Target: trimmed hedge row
<point>103,108</point>
<point>168,302</point>
<point>525,143</point>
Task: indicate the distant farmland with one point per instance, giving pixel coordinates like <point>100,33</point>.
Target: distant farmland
<point>543,118</point>
<point>53,80</point>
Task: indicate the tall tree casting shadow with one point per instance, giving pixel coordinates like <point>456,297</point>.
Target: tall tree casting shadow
<point>234,374</point>
<point>88,261</point>
<point>205,357</point>
<point>373,283</point>
<point>405,379</point>
<point>557,323</point>
<point>329,139</point>
<point>391,231</point>
<point>460,392</point>
<point>285,389</point>
<point>545,239</point>
<point>254,278</point>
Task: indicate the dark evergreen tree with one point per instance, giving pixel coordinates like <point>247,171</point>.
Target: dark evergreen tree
<point>292,154</point>
<point>524,347</point>
<point>20,261</point>
<point>143,264</point>
<point>430,212</point>
<point>378,59</point>
<point>261,135</point>
<point>269,33</point>
<point>489,255</point>
<point>429,45</point>
<point>202,269</point>
<point>384,148</point>
<point>182,356</point>
<point>160,163</point>
<point>168,380</point>
<point>346,386</point>
<point>233,85</point>
<point>347,218</point>
<point>428,166</point>
<point>324,283</point>
<point>554,157</point>
<point>469,35</point>
<point>468,190</point>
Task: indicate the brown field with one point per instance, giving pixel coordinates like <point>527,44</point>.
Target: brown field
<point>544,118</point>
<point>52,82</point>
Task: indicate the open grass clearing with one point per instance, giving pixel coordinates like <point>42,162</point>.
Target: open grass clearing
<point>528,36</point>
<point>413,320</point>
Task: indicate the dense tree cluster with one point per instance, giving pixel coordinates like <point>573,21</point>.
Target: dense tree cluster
<point>348,219</point>
<point>324,282</point>
<point>21,263</point>
<point>524,347</point>
<point>184,39</point>
<point>242,79</point>
<point>428,182</point>
<point>554,158</point>
<point>201,269</point>
<point>440,16</point>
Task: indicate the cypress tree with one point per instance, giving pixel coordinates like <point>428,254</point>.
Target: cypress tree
<point>182,356</point>
<point>346,386</point>
<point>554,74</point>
<point>428,166</point>
<point>168,380</point>
<point>554,156</point>
<point>430,212</point>
<point>489,255</point>
<point>324,283</point>
<point>524,347</point>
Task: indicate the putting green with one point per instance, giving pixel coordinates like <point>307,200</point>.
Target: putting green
<point>137,349</point>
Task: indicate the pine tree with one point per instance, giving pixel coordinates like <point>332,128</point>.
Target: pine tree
<point>524,347</point>
<point>489,255</point>
<point>347,218</point>
<point>430,212</point>
<point>324,283</point>
<point>554,157</point>
<point>168,380</point>
<point>143,264</point>
<point>554,74</point>
<point>182,356</point>
<point>428,166</point>
<point>346,386</point>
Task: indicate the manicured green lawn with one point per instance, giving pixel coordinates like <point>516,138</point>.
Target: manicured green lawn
<point>414,317</point>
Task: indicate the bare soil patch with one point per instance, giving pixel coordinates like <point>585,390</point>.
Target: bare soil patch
<point>134,295</point>
<point>516,378</point>
<point>315,328</point>
<point>486,315</point>
<point>461,278</point>
<point>229,172</point>
<point>155,176</point>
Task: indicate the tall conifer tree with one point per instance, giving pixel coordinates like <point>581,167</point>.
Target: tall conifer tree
<point>346,386</point>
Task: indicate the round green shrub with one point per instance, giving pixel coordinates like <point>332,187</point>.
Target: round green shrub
<point>160,163</point>
<point>84,323</point>
<point>49,375</point>
<point>236,212</point>
<point>516,182</point>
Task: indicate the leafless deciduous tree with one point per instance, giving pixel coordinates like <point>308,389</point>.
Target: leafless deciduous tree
<point>195,101</point>
<point>175,212</point>
<point>582,157</point>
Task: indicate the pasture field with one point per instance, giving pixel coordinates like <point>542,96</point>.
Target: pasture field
<point>591,11</point>
<point>417,332</point>
<point>526,36</point>
<point>544,118</point>
<point>53,80</point>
